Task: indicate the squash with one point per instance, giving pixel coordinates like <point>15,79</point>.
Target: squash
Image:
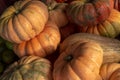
<point>28,68</point>
<point>43,44</point>
<point>88,12</point>
<point>109,28</point>
<point>110,71</point>
<point>111,47</point>
<point>116,4</point>
<point>79,61</point>
<point>23,20</point>
<point>57,13</point>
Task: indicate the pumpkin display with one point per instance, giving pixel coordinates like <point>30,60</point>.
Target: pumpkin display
<point>80,61</point>
<point>57,13</point>
<point>110,71</point>
<point>109,28</point>
<point>23,20</point>
<point>88,12</point>
<point>28,68</point>
<point>110,46</point>
<point>42,45</point>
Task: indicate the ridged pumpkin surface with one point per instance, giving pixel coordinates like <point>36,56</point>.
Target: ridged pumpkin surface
<point>43,44</point>
<point>57,13</point>
<point>80,61</point>
<point>109,28</point>
<point>28,68</point>
<point>88,12</point>
<point>23,20</point>
<point>110,71</point>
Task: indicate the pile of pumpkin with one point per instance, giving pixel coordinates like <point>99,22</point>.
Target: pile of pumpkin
<point>71,40</point>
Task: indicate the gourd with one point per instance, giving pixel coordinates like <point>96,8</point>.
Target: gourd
<point>28,68</point>
<point>88,12</point>
<point>79,61</point>
<point>115,4</point>
<point>23,20</point>
<point>110,46</point>
<point>57,13</point>
<point>110,71</point>
<point>43,44</point>
<point>109,28</point>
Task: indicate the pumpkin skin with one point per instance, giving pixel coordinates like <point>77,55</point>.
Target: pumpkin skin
<point>88,12</point>
<point>110,71</point>
<point>57,13</point>
<point>116,4</point>
<point>109,28</point>
<point>42,45</point>
<point>81,61</point>
<point>28,68</point>
<point>23,20</point>
<point>110,46</point>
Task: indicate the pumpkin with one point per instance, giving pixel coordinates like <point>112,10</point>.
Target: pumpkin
<point>110,71</point>
<point>28,68</point>
<point>80,61</point>
<point>42,45</point>
<point>116,4</point>
<point>88,12</point>
<point>57,13</point>
<point>110,46</point>
<point>23,20</point>
<point>109,28</point>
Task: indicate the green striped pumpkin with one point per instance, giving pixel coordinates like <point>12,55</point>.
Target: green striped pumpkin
<point>28,68</point>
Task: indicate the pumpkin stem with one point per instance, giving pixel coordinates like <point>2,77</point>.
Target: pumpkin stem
<point>17,11</point>
<point>68,58</point>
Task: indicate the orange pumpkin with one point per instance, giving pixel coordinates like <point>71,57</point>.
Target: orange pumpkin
<point>88,12</point>
<point>43,44</point>
<point>110,46</point>
<point>109,28</point>
<point>80,61</point>
<point>23,20</point>
<point>110,71</point>
<point>57,13</point>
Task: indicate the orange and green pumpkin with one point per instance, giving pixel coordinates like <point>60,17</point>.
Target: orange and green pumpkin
<point>88,12</point>
<point>23,20</point>
<point>28,68</point>
<point>57,13</point>
<point>43,44</point>
<point>109,28</point>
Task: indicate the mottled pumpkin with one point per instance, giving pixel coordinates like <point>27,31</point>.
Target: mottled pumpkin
<point>110,71</point>
<point>109,28</point>
<point>57,13</point>
<point>28,68</point>
<point>88,12</point>
<point>80,61</point>
<point>23,20</point>
<point>43,44</point>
